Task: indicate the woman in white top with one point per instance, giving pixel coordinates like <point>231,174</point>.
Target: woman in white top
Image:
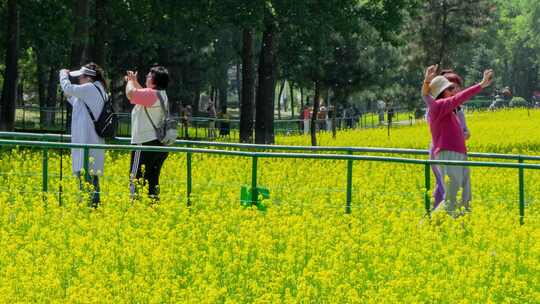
<point>88,95</point>
<point>147,110</point>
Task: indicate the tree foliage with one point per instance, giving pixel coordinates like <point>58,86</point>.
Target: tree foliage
<point>358,50</point>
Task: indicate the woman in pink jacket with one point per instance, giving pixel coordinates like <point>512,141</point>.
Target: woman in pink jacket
<point>447,135</point>
<point>438,191</point>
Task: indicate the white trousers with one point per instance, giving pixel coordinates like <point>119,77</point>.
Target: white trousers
<point>455,178</point>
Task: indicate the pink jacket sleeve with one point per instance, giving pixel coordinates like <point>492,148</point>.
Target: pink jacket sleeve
<point>144,97</point>
<point>447,105</point>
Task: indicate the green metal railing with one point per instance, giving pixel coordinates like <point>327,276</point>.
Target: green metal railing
<point>241,146</point>
<point>256,155</point>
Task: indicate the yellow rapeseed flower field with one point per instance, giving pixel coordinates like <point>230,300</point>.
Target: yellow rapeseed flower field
<point>302,249</point>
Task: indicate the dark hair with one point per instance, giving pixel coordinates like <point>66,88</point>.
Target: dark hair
<point>160,77</point>
<point>442,93</point>
<point>99,74</point>
<point>452,76</point>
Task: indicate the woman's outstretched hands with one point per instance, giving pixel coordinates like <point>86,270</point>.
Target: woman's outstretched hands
<point>131,76</point>
<point>431,72</point>
<point>488,78</point>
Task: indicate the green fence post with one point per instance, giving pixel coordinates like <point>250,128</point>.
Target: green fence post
<point>189,179</point>
<point>86,163</point>
<point>254,180</point>
<point>427,174</point>
<point>45,170</point>
<point>349,184</point>
<point>521,194</point>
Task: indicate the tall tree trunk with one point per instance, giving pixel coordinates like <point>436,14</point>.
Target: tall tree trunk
<point>285,104</point>
<point>301,98</point>
<point>52,94</point>
<point>41,71</point>
<point>291,89</point>
<point>79,42</point>
<point>100,29</point>
<point>213,96</point>
<point>196,101</point>
<point>248,83</point>
<point>281,87</point>
<point>264,116</point>
<point>79,46</point>
<point>9,90</point>
<point>334,114</point>
<point>316,101</point>
<point>19,100</point>
<point>238,83</point>
<point>443,31</point>
<point>116,91</point>
<point>223,96</point>
<point>113,90</point>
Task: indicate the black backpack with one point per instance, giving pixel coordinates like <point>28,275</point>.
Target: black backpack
<point>107,122</point>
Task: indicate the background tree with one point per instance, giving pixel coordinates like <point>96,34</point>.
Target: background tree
<point>9,88</point>
<point>44,28</point>
<point>333,45</point>
<point>265,96</point>
<point>80,36</point>
<point>519,46</point>
<point>342,52</point>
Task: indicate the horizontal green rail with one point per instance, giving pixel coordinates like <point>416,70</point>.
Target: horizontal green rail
<point>41,144</point>
<point>120,140</point>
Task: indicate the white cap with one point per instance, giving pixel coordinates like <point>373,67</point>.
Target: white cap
<point>438,85</point>
<point>82,71</point>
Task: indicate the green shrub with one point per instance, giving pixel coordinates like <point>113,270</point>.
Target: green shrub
<point>518,102</point>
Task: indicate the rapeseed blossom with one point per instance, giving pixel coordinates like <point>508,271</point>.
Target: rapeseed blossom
<point>303,248</point>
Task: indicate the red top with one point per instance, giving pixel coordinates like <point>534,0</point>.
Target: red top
<point>145,97</point>
<point>307,113</point>
<point>446,132</point>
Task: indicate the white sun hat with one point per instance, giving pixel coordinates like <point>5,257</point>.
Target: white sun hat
<point>82,71</point>
<point>438,85</point>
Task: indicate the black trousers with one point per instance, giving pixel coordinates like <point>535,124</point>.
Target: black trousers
<point>148,166</point>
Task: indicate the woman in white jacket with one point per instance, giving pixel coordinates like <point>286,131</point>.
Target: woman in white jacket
<point>86,97</point>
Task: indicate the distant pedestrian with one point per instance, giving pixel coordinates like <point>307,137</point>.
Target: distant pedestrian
<point>212,115</point>
<point>185,119</point>
<point>306,116</point>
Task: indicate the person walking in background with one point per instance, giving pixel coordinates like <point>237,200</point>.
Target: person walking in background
<point>348,115</point>
<point>146,114</point>
<point>212,115</point>
<point>329,118</point>
<point>322,116</point>
<point>185,115</point>
<point>381,105</point>
<point>447,135</point>
<point>306,116</point>
<point>300,121</point>
<point>390,114</point>
<point>224,124</point>
<point>87,99</point>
